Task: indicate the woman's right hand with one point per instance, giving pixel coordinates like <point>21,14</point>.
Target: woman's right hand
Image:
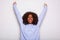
<point>14,3</point>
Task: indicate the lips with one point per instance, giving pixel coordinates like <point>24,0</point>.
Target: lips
<point>30,20</point>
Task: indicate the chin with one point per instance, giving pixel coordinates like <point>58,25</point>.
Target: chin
<point>30,22</point>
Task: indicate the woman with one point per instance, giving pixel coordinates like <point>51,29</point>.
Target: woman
<point>30,23</point>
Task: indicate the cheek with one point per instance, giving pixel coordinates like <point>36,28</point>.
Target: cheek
<point>30,19</point>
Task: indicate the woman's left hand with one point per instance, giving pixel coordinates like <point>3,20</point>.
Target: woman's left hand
<point>45,4</point>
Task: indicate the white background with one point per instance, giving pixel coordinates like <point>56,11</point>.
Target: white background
<point>9,27</point>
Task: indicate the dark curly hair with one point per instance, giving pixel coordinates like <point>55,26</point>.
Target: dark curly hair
<point>35,18</point>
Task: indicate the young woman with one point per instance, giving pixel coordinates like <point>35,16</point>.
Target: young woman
<point>30,23</point>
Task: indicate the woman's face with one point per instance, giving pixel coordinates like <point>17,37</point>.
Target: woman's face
<point>30,19</point>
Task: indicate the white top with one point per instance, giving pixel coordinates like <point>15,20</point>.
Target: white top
<point>29,31</point>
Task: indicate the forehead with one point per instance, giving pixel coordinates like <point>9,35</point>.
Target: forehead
<point>30,15</point>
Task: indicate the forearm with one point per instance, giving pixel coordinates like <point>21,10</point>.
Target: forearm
<point>42,15</point>
<point>18,16</point>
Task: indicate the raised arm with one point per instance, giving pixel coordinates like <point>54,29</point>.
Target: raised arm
<point>18,16</point>
<point>42,15</point>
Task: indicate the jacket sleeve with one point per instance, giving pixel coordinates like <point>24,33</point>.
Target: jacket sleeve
<point>42,15</point>
<point>18,16</point>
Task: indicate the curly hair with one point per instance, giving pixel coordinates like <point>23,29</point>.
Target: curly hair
<point>35,18</point>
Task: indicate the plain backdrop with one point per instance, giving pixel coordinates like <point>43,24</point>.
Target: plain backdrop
<point>9,27</point>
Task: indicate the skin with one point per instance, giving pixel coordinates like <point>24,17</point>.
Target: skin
<point>30,17</point>
<point>45,4</point>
